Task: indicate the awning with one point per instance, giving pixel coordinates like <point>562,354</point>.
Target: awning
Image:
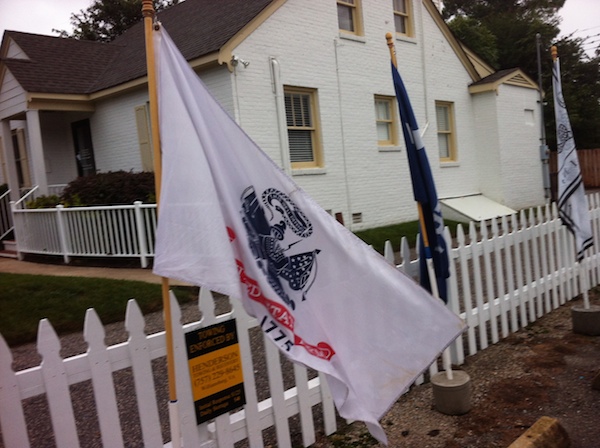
<point>473,208</point>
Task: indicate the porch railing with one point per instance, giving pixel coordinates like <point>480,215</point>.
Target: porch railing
<point>110,231</point>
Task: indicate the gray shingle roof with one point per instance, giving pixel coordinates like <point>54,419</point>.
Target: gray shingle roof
<point>59,65</point>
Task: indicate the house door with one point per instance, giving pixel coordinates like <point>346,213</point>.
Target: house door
<point>21,162</point>
<point>84,151</point>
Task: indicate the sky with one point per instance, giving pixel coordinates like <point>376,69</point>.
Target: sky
<point>41,16</point>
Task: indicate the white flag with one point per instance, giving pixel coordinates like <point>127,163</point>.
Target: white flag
<point>572,203</point>
<point>232,221</point>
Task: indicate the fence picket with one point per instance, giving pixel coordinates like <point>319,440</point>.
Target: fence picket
<point>282,427</point>
<point>482,315</point>
<point>388,253</point>
<point>11,407</point>
<point>512,294</point>
<point>551,225</point>
<point>143,380</point>
<point>457,347</point>
<point>56,386</point>
<point>520,290</point>
<point>488,246</point>
<point>191,434</point>
<point>462,251</point>
<point>498,238</point>
<point>104,389</point>
<point>305,408</point>
<point>535,253</point>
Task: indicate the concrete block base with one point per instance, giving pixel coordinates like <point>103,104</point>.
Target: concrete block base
<point>586,320</point>
<point>545,433</point>
<point>452,397</point>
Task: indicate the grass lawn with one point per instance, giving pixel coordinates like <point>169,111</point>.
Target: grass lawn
<point>25,299</point>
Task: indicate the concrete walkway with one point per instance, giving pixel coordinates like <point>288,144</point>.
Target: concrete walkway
<point>13,266</point>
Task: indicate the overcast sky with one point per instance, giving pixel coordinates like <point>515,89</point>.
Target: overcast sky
<point>41,16</point>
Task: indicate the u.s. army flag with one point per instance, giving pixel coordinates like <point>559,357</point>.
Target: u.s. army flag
<point>232,221</point>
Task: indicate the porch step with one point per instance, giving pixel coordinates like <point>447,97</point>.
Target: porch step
<point>9,250</point>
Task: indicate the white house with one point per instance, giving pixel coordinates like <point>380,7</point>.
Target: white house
<point>309,81</point>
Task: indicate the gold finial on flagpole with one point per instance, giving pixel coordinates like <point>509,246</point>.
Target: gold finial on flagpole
<point>554,52</point>
<point>389,37</point>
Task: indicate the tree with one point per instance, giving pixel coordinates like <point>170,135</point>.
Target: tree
<point>104,20</point>
<point>514,25</point>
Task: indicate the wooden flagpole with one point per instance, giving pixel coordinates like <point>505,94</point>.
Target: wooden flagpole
<point>148,13</point>
<point>428,260</point>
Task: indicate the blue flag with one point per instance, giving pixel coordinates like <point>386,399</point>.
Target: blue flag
<point>424,193</point>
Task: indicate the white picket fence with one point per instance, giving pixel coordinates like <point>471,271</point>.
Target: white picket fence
<point>503,277</point>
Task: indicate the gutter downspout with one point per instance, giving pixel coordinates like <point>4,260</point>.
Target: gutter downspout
<point>336,46</point>
<point>277,88</point>
<point>425,98</point>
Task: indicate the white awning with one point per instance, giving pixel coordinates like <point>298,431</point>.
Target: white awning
<point>473,208</point>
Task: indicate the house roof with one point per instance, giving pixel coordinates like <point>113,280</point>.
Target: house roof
<point>69,66</point>
<point>512,76</point>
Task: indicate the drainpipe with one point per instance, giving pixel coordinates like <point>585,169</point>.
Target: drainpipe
<point>424,73</point>
<point>336,46</point>
<point>277,88</point>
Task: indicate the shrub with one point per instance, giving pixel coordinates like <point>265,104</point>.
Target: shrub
<point>44,202</point>
<point>112,188</point>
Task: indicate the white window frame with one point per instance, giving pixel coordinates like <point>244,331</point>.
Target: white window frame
<point>312,125</point>
<point>390,121</point>
<point>354,7</point>
<point>405,16</point>
<point>448,134</point>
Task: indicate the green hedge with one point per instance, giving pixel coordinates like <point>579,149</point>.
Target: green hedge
<point>112,188</point>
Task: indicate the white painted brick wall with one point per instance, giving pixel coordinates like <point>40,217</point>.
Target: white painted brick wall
<point>519,126</point>
<point>114,133</point>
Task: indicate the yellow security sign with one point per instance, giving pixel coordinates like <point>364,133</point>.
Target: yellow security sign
<point>216,371</point>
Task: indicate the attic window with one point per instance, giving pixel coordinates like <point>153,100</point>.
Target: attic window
<point>403,17</point>
<point>349,16</point>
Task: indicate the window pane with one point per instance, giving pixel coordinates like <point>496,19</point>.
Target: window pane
<point>300,146</point>
<point>383,132</point>
<point>297,110</point>
<point>443,122</point>
<point>443,145</point>
<point>400,6</point>
<point>382,110</point>
<point>400,24</point>
<point>345,18</point>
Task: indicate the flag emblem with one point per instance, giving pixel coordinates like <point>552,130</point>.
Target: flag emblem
<point>269,241</point>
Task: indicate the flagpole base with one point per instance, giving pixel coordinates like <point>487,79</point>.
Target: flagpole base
<point>586,320</point>
<point>452,396</point>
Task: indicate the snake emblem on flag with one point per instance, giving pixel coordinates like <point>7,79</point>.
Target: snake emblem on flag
<point>269,241</point>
